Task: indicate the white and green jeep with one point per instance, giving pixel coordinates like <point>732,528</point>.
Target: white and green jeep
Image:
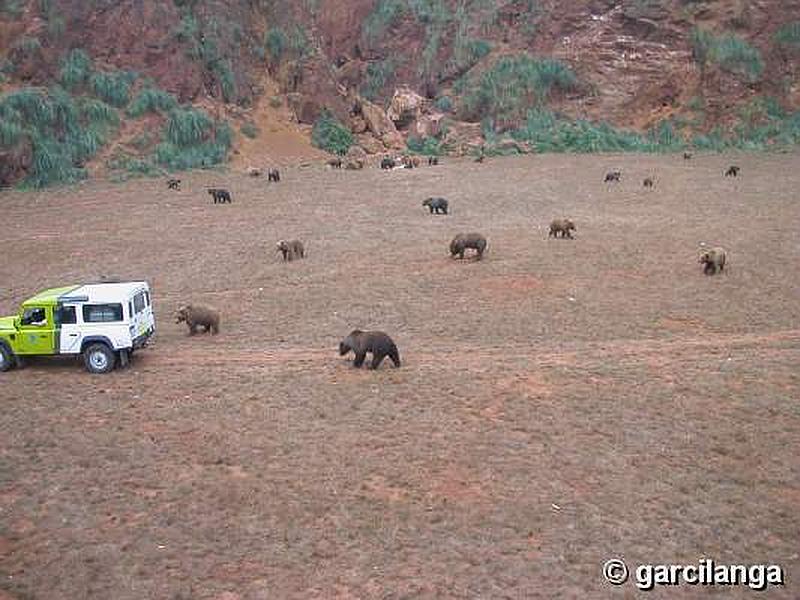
<point>104,322</point>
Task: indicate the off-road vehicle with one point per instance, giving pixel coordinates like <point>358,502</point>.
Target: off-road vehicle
<point>103,322</point>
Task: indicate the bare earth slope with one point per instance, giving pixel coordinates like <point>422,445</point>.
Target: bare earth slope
<point>560,402</point>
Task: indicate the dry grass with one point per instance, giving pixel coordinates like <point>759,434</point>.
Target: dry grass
<point>607,375</point>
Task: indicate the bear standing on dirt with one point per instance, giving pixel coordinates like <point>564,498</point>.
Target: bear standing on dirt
<point>565,227</point>
<point>376,343</point>
<point>714,261</point>
<point>220,196</point>
<point>436,205</point>
<point>291,249</point>
<point>463,241</point>
<point>198,316</point>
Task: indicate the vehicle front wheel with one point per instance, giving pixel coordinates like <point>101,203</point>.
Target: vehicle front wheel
<point>99,358</point>
<point>6,358</point>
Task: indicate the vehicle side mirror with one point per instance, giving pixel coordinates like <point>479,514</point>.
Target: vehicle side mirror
<point>17,322</point>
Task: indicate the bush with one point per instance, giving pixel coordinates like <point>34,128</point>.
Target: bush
<point>386,13</point>
<point>279,44</point>
<point>736,56</point>
<point>514,85</point>
<point>75,69</point>
<point>152,100</point>
<point>444,104</point>
<point>427,146</point>
<point>276,43</point>
<point>27,45</point>
<point>729,52</point>
<point>788,35</point>
<point>132,166</point>
<point>193,140</point>
<point>469,51</point>
<point>11,8</point>
<point>377,76</point>
<point>250,130</point>
<point>63,134</point>
<point>113,87</point>
<point>545,132</point>
<point>330,135</point>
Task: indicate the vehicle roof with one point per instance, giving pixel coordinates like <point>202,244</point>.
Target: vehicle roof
<point>50,296</point>
<point>94,292</point>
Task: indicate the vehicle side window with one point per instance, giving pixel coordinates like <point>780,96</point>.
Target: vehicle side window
<point>138,302</point>
<point>34,316</point>
<point>102,313</point>
<point>66,315</point>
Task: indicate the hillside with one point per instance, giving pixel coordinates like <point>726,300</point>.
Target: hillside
<point>143,86</point>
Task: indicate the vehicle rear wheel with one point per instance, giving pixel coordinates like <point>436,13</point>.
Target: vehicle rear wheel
<point>99,358</point>
<point>6,358</point>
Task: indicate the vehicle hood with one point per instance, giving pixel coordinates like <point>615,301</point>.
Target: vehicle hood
<point>6,323</point>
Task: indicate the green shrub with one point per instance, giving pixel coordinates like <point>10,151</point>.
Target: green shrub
<point>427,146</point>
<point>468,51</point>
<point>10,133</point>
<point>249,129</point>
<point>113,87</point>
<point>281,44</point>
<point>11,8</point>
<point>63,134</point>
<point>152,100</point>
<point>444,104</point>
<point>735,55</point>
<point>731,53</point>
<point>382,18</point>
<point>75,69</point>
<point>702,42</point>
<point>276,43</point>
<point>378,75</point>
<point>130,166</point>
<point>276,102</point>
<point>515,84</point>
<point>788,35</point>
<point>27,44</point>
<point>193,140</point>
<point>97,113</point>
<point>330,135</point>
<point>187,29</point>
<point>545,132</point>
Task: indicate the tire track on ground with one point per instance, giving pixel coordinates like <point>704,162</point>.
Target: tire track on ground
<point>586,354</point>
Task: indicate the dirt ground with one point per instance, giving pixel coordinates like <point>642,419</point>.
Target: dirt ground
<point>560,403</point>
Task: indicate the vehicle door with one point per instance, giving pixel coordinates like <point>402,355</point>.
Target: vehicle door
<point>67,329</point>
<point>36,330</point>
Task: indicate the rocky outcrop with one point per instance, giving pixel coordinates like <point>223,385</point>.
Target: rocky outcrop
<point>406,107</point>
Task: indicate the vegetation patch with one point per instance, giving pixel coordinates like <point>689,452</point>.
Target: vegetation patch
<point>249,129</point>
<point>330,135</point>
<point>788,35</point>
<point>63,134</point>
<point>76,68</point>
<point>514,85</point>
<point>428,146</point>
<point>152,100</point>
<point>379,73</point>
<point>113,87</point>
<point>729,52</point>
<point>380,20</point>
<point>193,140</point>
